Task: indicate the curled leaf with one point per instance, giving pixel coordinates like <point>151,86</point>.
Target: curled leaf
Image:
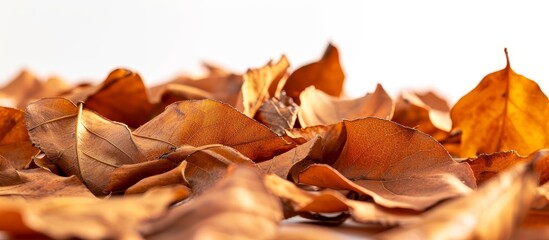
<point>318,108</point>
<point>325,74</point>
<point>493,212</point>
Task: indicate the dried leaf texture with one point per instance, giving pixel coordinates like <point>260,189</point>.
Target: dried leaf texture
<point>396,165</point>
<point>278,114</point>
<point>81,142</point>
<point>204,122</point>
<point>87,218</point>
<point>15,145</point>
<point>38,183</point>
<point>325,74</point>
<point>493,212</point>
<point>237,207</point>
<point>319,108</point>
<point>506,111</point>
<point>486,166</point>
<point>258,82</point>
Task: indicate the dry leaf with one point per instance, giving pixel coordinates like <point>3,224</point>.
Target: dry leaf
<point>20,90</point>
<point>237,207</point>
<point>278,114</point>
<point>219,84</point>
<point>319,108</point>
<point>493,212</point>
<point>425,112</point>
<point>325,74</point>
<point>258,82</point>
<point>204,122</point>
<point>86,218</point>
<point>486,166</point>
<point>304,154</point>
<point>330,201</point>
<point>506,111</point>
<point>207,164</point>
<point>122,97</point>
<point>399,166</point>
<point>81,142</point>
<point>333,139</point>
<point>38,183</point>
<point>15,145</point>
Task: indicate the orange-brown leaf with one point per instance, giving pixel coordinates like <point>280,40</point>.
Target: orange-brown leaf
<point>278,114</point>
<point>15,145</point>
<point>87,218</point>
<point>325,74</point>
<point>83,143</point>
<point>486,166</point>
<point>38,183</point>
<point>506,111</point>
<point>258,82</point>
<point>493,212</point>
<point>204,122</point>
<point>330,201</point>
<point>319,108</point>
<point>399,166</point>
<point>426,112</point>
<point>238,206</point>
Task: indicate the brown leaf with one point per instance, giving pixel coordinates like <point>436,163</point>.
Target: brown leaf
<point>206,165</point>
<point>425,112</point>
<point>20,89</point>
<point>493,212</point>
<point>318,108</point>
<point>325,74</point>
<point>15,145</point>
<point>259,82</point>
<point>219,84</point>
<point>330,201</point>
<point>486,166</point>
<point>333,139</point>
<point>83,143</point>
<point>306,153</point>
<point>37,183</point>
<point>278,114</point>
<point>506,111</point>
<point>86,218</point>
<point>204,122</point>
<point>127,175</point>
<point>396,165</point>
<point>172,177</point>
<point>122,97</point>
<point>238,207</point>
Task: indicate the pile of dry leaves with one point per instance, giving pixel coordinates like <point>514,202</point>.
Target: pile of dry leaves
<point>231,156</point>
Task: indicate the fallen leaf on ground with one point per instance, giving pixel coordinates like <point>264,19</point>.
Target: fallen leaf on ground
<point>486,166</point>
<point>15,145</point>
<point>330,201</point>
<point>86,218</point>
<point>81,142</point>
<point>237,207</point>
<point>396,165</point>
<point>319,108</point>
<point>493,212</point>
<point>204,122</point>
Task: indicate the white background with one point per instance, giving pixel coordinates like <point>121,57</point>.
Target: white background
<point>413,45</point>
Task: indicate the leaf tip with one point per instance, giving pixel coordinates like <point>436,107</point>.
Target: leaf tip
<point>507,58</point>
